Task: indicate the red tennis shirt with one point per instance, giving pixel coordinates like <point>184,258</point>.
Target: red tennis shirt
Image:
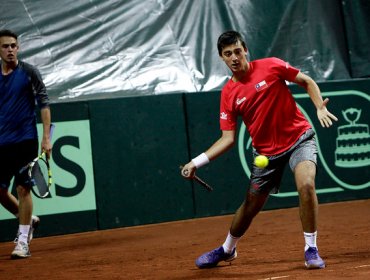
<point>266,105</point>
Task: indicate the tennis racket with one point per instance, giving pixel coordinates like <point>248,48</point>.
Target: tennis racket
<point>39,173</point>
<point>200,181</point>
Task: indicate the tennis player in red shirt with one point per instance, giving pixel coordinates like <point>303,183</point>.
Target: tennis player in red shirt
<point>257,91</point>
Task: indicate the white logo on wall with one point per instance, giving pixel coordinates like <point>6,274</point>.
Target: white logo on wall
<point>344,153</point>
<point>73,187</point>
<point>353,141</point>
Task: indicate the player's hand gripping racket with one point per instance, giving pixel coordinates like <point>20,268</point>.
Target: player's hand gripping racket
<point>201,182</point>
<point>39,173</point>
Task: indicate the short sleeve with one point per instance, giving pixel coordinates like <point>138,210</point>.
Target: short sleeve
<point>286,71</point>
<point>228,119</point>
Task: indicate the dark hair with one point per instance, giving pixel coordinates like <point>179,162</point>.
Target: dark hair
<point>8,33</point>
<point>229,38</point>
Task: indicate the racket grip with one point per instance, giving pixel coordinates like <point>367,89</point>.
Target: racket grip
<point>200,181</point>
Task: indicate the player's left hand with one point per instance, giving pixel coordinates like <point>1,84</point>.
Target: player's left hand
<point>46,146</point>
<point>324,116</point>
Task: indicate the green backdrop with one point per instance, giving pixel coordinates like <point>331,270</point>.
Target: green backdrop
<point>116,162</point>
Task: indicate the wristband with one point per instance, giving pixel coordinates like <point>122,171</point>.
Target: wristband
<point>200,160</point>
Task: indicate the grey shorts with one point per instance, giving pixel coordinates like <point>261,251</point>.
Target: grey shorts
<point>268,180</point>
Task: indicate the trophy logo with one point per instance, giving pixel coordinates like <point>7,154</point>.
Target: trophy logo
<point>353,141</point>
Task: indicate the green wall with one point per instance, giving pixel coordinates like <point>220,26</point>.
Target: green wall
<point>138,146</point>
<point>116,161</point>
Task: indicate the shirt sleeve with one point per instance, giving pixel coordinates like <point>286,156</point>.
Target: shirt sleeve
<point>38,86</point>
<point>286,71</point>
<point>39,90</point>
<point>228,119</point>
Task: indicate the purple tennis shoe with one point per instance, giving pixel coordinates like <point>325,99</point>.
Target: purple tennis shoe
<point>313,259</point>
<point>212,258</point>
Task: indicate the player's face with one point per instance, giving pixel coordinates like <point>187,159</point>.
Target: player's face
<point>235,57</point>
<point>8,49</point>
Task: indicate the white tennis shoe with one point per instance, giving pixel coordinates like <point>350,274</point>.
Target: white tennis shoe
<point>21,251</point>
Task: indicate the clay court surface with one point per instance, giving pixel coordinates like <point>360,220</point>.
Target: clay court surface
<point>272,249</point>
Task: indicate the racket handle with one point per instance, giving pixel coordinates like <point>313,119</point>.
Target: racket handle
<point>200,181</point>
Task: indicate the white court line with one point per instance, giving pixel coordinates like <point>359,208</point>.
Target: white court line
<point>276,277</point>
<point>361,266</point>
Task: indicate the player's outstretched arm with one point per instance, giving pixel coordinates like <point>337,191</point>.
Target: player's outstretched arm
<point>325,117</point>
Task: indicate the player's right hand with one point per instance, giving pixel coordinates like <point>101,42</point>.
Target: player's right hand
<point>188,171</point>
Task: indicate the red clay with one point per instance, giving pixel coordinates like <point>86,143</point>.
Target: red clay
<point>272,249</point>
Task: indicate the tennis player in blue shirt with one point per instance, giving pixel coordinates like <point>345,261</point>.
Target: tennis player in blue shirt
<point>21,88</point>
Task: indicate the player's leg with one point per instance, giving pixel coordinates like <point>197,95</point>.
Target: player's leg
<point>262,183</point>
<point>21,249</point>
<point>308,209</point>
<point>303,163</point>
<point>25,205</point>
<point>27,152</point>
<point>243,217</point>
<point>304,174</point>
<point>8,201</point>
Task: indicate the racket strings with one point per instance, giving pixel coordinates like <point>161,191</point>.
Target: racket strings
<point>41,176</point>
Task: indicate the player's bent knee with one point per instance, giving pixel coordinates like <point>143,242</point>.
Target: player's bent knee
<point>307,189</point>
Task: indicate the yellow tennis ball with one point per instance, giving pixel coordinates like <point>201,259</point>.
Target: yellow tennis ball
<point>261,161</point>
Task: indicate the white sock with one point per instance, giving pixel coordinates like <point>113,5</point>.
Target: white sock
<point>24,230</point>
<point>230,243</point>
<point>310,239</point>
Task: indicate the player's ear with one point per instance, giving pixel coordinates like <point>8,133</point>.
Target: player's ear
<point>247,54</point>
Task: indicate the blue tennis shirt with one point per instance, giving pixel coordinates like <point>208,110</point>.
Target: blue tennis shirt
<point>19,93</point>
